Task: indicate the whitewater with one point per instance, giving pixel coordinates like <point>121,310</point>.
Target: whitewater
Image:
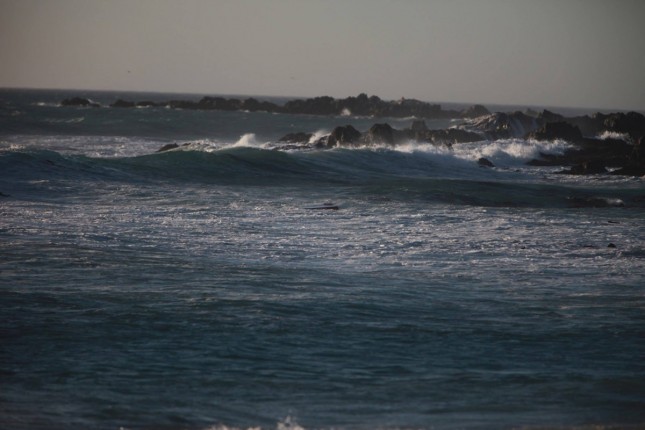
<point>196,288</point>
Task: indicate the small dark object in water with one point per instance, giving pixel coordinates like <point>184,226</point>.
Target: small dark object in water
<point>611,245</point>
<point>329,206</point>
<point>484,162</point>
<point>168,147</point>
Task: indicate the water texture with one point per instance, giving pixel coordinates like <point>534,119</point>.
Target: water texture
<point>194,289</point>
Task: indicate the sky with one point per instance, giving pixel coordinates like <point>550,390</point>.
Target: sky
<point>569,53</point>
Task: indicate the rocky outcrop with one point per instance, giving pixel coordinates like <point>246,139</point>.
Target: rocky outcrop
<point>557,130</point>
<point>168,147</point>
<point>385,134</point>
<point>119,103</point>
<point>475,112</point>
<point>300,137</point>
<point>79,101</point>
<point>635,165</point>
<point>593,167</point>
<point>450,136</point>
<point>485,162</point>
<point>380,133</point>
<point>342,136</point>
<point>500,125</point>
<point>362,105</point>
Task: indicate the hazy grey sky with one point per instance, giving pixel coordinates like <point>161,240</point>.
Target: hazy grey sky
<point>586,53</point>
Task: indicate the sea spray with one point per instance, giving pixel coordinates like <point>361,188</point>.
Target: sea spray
<point>193,289</point>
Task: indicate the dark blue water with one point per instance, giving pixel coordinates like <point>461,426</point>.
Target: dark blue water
<point>193,289</point>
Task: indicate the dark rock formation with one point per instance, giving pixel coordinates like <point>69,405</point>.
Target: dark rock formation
<point>589,156</point>
<point>635,165</point>
<point>340,136</point>
<point>419,126</point>
<point>383,133</point>
<point>168,147</point>
<point>557,130</point>
<point>146,103</point>
<point>475,112</point>
<point>123,104</point>
<point>380,133</point>
<point>501,125</point>
<point>594,167</point>
<point>325,105</point>
<point>451,135</point>
<point>548,116</point>
<point>484,162</point>
<point>300,137</point>
<point>79,101</point>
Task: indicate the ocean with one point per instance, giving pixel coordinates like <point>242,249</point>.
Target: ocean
<point>196,288</point>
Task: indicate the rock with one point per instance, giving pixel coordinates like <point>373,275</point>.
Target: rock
<point>380,133</point>
<point>299,137</point>
<point>557,130</point>
<point>452,135</point>
<point>635,165</point>
<point>79,101</point>
<point>475,112</point>
<point>505,125</point>
<point>419,126</point>
<point>182,104</point>
<point>484,162</point>
<point>637,171</point>
<point>254,105</point>
<point>218,103</point>
<point>146,103</point>
<point>168,147</point>
<point>548,116</point>
<point>632,123</point>
<point>317,106</point>
<point>343,135</point>
<point>122,104</point>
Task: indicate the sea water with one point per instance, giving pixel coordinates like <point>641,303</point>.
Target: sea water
<point>194,289</point>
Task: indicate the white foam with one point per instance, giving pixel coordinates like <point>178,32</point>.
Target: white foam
<point>248,140</point>
<point>508,152</point>
<point>317,135</point>
<point>615,135</point>
<point>288,423</point>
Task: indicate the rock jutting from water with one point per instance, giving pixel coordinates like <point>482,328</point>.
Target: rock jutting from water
<point>362,105</point>
<point>589,154</point>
